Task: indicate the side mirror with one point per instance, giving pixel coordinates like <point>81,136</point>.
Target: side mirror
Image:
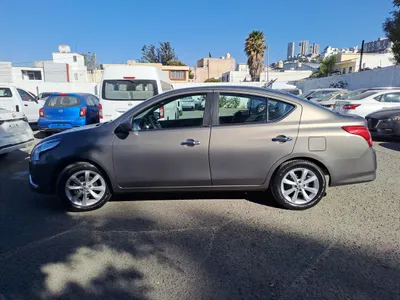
<point>125,127</point>
<point>309,98</point>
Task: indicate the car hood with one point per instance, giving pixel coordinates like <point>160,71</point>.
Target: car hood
<point>385,113</point>
<point>73,131</point>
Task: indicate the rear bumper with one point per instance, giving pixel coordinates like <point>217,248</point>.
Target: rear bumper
<point>60,125</point>
<point>12,147</point>
<point>354,170</point>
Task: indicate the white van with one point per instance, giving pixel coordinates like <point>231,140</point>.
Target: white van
<point>124,87</point>
<point>16,99</point>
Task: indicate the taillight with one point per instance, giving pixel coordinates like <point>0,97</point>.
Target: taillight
<point>361,131</point>
<point>351,106</point>
<point>161,112</point>
<point>101,111</point>
<point>41,113</point>
<point>82,112</point>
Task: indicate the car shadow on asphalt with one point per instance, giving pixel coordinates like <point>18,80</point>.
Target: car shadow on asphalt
<point>261,198</point>
<point>228,259</point>
<point>391,146</point>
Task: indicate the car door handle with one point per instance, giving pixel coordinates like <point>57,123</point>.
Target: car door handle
<point>25,104</point>
<point>190,142</point>
<point>282,139</point>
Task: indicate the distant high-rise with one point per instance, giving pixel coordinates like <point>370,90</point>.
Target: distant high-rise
<point>290,51</point>
<point>314,49</point>
<point>303,48</point>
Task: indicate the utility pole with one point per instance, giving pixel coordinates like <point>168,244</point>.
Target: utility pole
<point>208,69</point>
<point>361,56</point>
<point>267,63</point>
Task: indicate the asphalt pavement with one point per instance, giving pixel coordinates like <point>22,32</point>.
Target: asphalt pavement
<point>202,245</point>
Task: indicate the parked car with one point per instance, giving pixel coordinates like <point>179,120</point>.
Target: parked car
<point>329,100</point>
<point>43,96</point>
<point>289,148</point>
<point>368,102</point>
<point>317,94</point>
<point>385,122</point>
<point>358,92</point>
<point>65,111</point>
<point>188,103</point>
<point>16,99</point>
<point>15,132</point>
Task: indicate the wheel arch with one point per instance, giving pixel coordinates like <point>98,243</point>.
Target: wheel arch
<point>314,160</point>
<point>73,160</point>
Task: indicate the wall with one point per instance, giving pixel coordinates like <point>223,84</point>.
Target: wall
<point>36,88</point>
<point>77,70</point>
<point>19,76</point>
<point>389,76</point>
<point>237,76</point>
<point>56,72</point>
<point>6,74</point>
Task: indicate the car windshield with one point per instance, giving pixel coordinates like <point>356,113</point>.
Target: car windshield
<point>129,90</point>
<point>362,96</point>
<point>62,101</point>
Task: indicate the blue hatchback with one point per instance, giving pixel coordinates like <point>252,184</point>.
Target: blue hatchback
<point>65,111</point>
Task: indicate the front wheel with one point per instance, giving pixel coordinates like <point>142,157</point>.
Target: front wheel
<point>298,184</point>
<point>82,187</point>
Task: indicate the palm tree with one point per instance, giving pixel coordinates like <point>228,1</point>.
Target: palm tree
<point>326,67</point>
<point>254,48</point>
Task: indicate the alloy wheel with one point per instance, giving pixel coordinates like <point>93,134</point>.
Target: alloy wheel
<point>300,186</point>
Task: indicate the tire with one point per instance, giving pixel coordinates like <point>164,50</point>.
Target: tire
<point>282,181</point>
<point>99,187</point>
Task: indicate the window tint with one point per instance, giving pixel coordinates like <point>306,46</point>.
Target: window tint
<point>5,93</point>
<point>392,97</point>
<point>237,109</point>
<point>179,112</point>
<point>62,101</point>
<point>129,90</point>
<point>25,96</point>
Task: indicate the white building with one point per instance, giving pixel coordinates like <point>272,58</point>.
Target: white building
<point>27,73</point>
<point>381,45</point>
<point>329,51</point>
<point>303,48</point>
<point>77,71</point>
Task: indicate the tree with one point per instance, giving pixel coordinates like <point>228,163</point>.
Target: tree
<point>392,29</point>
<point>326,67</point>
<point>164,54</point>
<point>254,48</point>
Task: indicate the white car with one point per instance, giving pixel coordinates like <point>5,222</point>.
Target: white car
<point>368,102</point>
<point>16,99</point>
<point>15,132</point>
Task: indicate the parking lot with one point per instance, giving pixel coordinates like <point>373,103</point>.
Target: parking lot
<point>202,246</point>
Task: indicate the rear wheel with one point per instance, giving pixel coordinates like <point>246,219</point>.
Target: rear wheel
<point>298,184</point>
<point>82,187</point>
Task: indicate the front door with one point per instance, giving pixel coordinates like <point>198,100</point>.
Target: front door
<point>251,135</point>
<point>30,106</point>
<point>164,153</point>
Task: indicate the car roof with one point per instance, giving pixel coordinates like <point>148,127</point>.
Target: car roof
<point>327,89</point>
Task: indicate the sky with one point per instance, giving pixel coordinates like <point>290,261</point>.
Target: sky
<point>117,30</point>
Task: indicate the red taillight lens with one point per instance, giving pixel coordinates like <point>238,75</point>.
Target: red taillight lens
<point>161,112</point>
<point>101,111</point>
<point>82,112</point>
<point>41,113</point>
<point>361,131</point>
<point>351,106</point>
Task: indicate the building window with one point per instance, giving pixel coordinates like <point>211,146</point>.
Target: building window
<point>177,75</point>
<point>76,76</point>
<point>350,69</point>
<point>32,75</point>
<point>75,58</point>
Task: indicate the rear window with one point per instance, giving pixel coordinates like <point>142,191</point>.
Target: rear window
<point>129,90</point>
<point>62,101</point>
<point>5,93</point>
<point>362,96</point>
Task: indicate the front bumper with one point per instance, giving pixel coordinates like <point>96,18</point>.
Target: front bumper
<point>41,178</point>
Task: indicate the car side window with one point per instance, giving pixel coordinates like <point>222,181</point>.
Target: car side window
<point>5,93</point>
<point>89,101</point>
<point>391,97</point>
<point>178,112</point>
<point>238,109</point>
<point>25,96</point>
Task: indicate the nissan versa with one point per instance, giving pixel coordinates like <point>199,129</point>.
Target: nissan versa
<point>245,139</point>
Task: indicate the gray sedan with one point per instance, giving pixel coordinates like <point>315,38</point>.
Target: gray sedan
<point>293,147</point>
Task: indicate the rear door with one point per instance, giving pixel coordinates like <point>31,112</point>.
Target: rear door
<point>249,134</point>
<point>389,100</point>
<point>30,106</point>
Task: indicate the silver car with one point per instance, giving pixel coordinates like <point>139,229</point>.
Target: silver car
<point>293,147</point>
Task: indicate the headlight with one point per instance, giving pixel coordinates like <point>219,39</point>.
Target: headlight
<point>45,146</point>
<point>392,119</point>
